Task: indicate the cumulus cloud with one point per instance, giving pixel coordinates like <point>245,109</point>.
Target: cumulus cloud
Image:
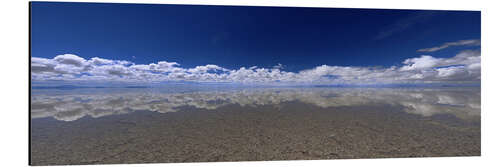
<point>206,68</point>
<point>463,67</point>
<point>472,42</point>
<point>422,62</point>
<point>70,59</point>
<point>99,61</point>
<point>41,65</point>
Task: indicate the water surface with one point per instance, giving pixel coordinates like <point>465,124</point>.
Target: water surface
<point>188,124</point>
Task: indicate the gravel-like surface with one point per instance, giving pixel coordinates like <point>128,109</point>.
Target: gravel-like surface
<point>289,131</point>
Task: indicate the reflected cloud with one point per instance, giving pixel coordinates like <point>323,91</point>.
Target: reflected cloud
<point>463,103</point>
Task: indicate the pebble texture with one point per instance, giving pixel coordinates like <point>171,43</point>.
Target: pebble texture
<point>289,131</point>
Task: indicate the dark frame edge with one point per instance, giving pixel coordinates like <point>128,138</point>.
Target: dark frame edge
<point>29,83</point>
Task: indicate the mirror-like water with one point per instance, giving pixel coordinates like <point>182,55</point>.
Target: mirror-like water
<point>141,125</point>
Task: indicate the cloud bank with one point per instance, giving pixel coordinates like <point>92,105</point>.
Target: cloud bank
<point>463,67</point>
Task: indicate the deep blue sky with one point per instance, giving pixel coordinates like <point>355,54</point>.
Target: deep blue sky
<point>233,37</point>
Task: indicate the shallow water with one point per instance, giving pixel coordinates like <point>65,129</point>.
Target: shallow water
<point>151,125</point>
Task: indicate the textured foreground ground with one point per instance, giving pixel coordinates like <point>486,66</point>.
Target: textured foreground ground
<point>290,131</point>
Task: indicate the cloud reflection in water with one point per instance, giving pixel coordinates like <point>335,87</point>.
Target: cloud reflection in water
<point>461,102</point>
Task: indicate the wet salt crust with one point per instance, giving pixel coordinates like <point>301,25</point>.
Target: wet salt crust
<point>154,126</point>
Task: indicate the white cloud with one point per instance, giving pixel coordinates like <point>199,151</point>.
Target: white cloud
<point>463,67</point>
<point>113,70</point>
<point>472,42</point>
<point>419,63</point>
<point>451,71</point>
<point>42,65</point>
<point>206,68</point>
<point>70,59</point>
<point>100,61</point>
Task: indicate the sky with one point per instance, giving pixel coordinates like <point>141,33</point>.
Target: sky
<point>139,43</point>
